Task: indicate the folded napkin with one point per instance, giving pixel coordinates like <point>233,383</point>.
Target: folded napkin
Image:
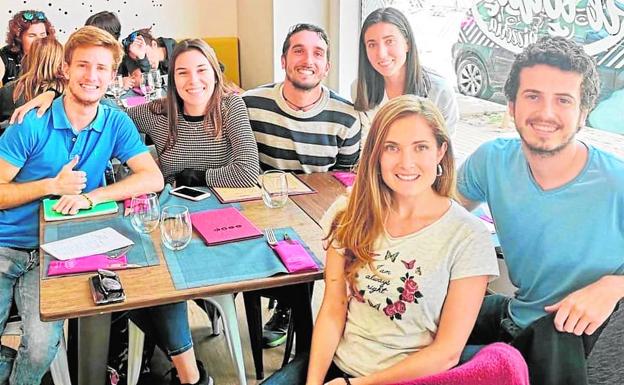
<point>294,256</point>
<point>134,100</point>
<point>128,201</point>
<point>84,264</point>
<point>495,364</point>
<point>345,177</point>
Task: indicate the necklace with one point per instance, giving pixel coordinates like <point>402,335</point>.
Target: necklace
<point>298,107</point>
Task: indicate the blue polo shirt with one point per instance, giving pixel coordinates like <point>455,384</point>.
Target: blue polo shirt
<point>40,147</point>
<point>555,241</point>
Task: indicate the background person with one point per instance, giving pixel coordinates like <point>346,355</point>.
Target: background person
<point>141,45</point>
<point>24,28</point>
<point>407,266</point>
<point>109,22</point>
<point>42,71</point>
<point>388,66</point>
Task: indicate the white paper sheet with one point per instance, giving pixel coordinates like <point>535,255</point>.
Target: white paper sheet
<point>95,242</point>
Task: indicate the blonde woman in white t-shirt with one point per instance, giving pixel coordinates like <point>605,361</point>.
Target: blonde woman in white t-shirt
<point>407,267</point>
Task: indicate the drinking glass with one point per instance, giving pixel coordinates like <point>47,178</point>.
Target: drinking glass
<point>158,90</point>
<point>116,88</point>
<point>145,212</point>
<point>175,227</point>
<point>147,85</point>
<point>274,188</point>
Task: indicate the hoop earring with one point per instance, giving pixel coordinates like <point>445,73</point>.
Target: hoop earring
<point>439,170</point>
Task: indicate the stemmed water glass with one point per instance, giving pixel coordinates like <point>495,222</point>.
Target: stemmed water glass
<point>175,227</point>
<point>145,212</point>
<point>158,91</point>
<point>116,88</point>
<point>147,85</point>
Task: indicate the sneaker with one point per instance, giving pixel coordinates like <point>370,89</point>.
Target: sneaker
<point>204,378</point>
<point>275,331</point>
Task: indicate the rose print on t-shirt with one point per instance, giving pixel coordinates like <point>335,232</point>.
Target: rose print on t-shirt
<point>381,283</point>
<point>409,293</point>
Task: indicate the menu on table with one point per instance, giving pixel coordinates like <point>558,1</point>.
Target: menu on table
<point>227,195</point>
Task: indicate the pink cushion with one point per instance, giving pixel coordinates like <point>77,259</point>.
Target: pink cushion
<point>495,364</point>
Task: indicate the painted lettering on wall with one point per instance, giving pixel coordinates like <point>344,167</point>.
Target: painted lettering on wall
<point>513,24</point>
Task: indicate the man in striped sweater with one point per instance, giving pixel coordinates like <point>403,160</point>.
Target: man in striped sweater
<point>301,126</point>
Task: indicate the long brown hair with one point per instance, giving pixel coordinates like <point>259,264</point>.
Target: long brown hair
<point>42,69</point>
<point>370,83</point>
<point>359,226</point>
<point>173,104</point>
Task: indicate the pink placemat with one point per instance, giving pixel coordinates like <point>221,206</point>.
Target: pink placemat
<point>345,177</point>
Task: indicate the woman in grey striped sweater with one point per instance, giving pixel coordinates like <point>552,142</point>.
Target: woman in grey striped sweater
<point>203,137</point>
<point>202,134</point>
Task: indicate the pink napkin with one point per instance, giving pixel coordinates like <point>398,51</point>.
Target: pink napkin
<point>294,256</point>
<point>134,101</point>
<point>128,201</point>
<point>345,177</point>
<point>84,264</point>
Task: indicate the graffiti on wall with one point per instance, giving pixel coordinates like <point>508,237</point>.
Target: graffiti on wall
<point>513,24</point>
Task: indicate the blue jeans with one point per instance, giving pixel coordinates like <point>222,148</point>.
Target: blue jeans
<point>296,371</point>
<point>19,280</point>
<point>167,325</point>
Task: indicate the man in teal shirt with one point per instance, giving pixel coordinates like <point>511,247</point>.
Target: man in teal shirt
<point>64,153</point>
<point>558,204</point>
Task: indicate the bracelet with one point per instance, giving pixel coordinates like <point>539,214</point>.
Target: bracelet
<point>85,196</point>
<point>346,378</point>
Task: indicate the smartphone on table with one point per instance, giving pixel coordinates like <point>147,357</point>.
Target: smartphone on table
<point>191,193</point>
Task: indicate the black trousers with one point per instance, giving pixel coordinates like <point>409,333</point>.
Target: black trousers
<point>554,358</point>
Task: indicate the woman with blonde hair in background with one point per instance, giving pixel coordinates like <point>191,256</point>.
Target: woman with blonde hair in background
<point>407,266</point>
<point>42,70</point>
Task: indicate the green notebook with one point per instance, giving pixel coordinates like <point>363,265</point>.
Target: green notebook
<point>100,209</point>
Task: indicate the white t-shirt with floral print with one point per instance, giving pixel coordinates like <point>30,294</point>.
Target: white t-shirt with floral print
<point>397,312</point>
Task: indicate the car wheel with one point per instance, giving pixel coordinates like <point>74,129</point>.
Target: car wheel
<point>472,78</point>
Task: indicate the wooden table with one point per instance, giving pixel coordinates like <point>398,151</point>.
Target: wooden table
<point>328,190</point>
<point>70,297</point>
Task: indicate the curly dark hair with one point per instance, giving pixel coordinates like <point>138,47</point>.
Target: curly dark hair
<point>560,53</point>
<point>18,25</point>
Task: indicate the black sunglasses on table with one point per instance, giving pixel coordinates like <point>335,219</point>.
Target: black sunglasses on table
<point>32,16</point>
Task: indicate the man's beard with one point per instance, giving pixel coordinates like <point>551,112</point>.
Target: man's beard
<point>302,86</point>
<point>547,152</point>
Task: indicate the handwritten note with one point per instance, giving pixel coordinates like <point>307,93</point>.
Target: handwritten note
<point>95,242</point>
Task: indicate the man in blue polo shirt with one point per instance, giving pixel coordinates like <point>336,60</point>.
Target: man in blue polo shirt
<point>558,204</point>
<point>64,153</point>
